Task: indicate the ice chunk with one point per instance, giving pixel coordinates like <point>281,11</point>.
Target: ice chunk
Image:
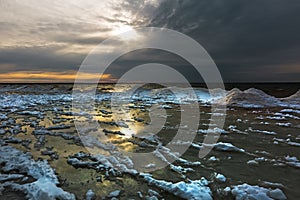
<point>220,146</point>
<point>277,194</point>
<point>115,193</point>
<point>193,190</point>
<point>292,161</point>
<point>246,191</point>
<point>220,177</point>
<point>252,162</point>
<point>213,159</point>
<point>90,195</point>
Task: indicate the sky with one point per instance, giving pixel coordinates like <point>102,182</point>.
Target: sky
<point>250,41</point>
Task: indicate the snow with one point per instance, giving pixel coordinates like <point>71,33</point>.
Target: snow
<point>193,190</point>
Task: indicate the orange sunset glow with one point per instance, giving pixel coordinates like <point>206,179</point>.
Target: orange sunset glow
<point>39,76</point>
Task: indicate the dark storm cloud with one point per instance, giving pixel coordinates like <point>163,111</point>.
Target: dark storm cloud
<point>80,40</point>
<point>241,36</point>
<point>144,56</point>
<point>38,58</point>
<point>256,40</point>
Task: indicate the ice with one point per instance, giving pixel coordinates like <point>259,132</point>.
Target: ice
<point>292,161</point>
<point>213,159</point>
<point>233,128</point>
<point>116,164</point>
<point>245,191</point>
<point>286,115</point>
<point>3,116</point>
<point>115,193</point>
<point>57,127</point>
<point>90,195</point>
<point>193,190</point>
<point>277,194</point>
<point>254,98</point>
<point>288,124</point>
<point>220,146</point>
<point>213,130</point>
<point>9,177</point>
<point>296,144</point>
<point>162,149</point>
<point>252,162</point>
<point>27,112</point>
<point>150,165</point>
<point>45,186</point>
<point>180,169</point>
<point>263,132</point>
<point>293,100</point>
<point>290,111</point>
<point>220,177</point>
<point>153,193</point>
<point>27,101</point>
<point>271,185</point>
<point>251,98</point>
<point>286,141</point>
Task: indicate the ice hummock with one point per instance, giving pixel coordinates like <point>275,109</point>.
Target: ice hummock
<point>250,98</point>
<point>293,99</point>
